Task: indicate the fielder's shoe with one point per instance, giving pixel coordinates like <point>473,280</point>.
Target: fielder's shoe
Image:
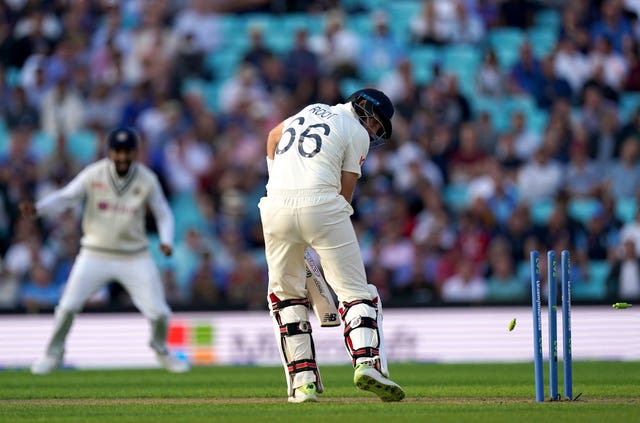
<point>173,364</point>
<point>46,364</point>
<point>367,378</point>
<point>304,393</point>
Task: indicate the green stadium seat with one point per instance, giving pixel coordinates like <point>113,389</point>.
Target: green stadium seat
<point>506,41</point>
<point>541,210</point>
<point>594,288</point>
<point>625,209</point>
<point>629,104</point>
<point>43,144</point>
<point>548,19</point>
<point>82,145</point>
<point>456,196</point>
<point>543,41</point>
<point>583,209</point>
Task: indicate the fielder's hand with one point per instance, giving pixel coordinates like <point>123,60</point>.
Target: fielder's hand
<point>27,209</point>
<point>166,250</point>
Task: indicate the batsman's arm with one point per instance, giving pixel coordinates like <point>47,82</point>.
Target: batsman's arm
<point>273,139</point>
<point>348,184</point>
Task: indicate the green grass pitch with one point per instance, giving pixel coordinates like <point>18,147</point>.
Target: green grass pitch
<point>435,393</point>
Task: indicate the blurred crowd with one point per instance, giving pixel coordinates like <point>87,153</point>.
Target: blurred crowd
<point>499,147</point>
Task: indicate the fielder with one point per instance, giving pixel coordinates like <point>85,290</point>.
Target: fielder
<point>314,160</point>
<point>116,192</point>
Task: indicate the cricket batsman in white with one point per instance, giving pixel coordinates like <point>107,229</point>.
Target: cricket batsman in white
<point>314,160</point>
<point>116,192</point>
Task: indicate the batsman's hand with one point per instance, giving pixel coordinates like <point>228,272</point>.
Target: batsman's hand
<point>166,250</point>
<point>27,209</point>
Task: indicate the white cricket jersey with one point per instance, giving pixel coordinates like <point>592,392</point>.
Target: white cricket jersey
<point>317,144</point>
<point>114,207</point>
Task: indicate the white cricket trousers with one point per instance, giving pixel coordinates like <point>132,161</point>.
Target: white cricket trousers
<point>137,273</point>
<point>294,220</point>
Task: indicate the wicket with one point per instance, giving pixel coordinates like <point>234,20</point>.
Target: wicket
<point>552,282</point>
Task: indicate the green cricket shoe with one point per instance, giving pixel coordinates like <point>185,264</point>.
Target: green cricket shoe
<point>367,378</point>
<point>304,393</point>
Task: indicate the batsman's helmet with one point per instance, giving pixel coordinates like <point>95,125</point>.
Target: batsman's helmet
<point>122,138</point>
<point>376,105</point>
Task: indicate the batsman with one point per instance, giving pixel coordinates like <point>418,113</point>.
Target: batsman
<point>314,159</point>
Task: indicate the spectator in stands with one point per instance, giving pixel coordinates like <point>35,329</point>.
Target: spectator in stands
<point>257,49</point>
<point>188,256</point>
<point>623,280</point>
<point>18,111</point>
<point>242,91</point>
<point>456,107</point>
<point>400,84</point>
<point>102,107</point>
<point>188,63</point>
<point>469,160</point>
<point>337,47</point>
<point>525,73</point>
<point>561,227</point>
<point>571,64</point>
<point>599,241</point>
<point>111,30</point>
<point>467,27</point>
<point>37,31</point>
<point>541,177</point>
<point>632,81</point>
<point>506,153</point>
<point>574,25</point>
<point>203,283</point>
<point>62,109</point>
<point>200,19</point>
<point>526,141</point>
<point>630,128</point>
<point>427,27</point>
<point>185,161</point>
<point>38,290</point>
<point>247,283</point>
<point>503,283</point>
<point>490,77</point>
<point>583,178</point>
<point>550,86</point>
<point>152,45</point>
<point>380,51</point>
<point>518,13</point>
<point>612,25</point>
<point>9,289</point>
<point>302,69</point>
<point>27,251</point>
<point>604,145</point>
<point>614,67</point>
<point>465,286</point>
<point>594,106</point>
<point>501,195</point>
<point>623,178</point>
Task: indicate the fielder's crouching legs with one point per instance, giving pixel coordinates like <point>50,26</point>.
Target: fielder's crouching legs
<point>293,333</point>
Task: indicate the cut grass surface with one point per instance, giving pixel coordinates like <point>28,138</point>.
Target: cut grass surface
<point>435,392</point>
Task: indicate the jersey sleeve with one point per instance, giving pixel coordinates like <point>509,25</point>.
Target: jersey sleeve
<point>162,213</point>
<point>357,150</point>
<point>69,195</point>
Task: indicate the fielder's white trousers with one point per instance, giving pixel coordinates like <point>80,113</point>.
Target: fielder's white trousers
<point>137,274</point>
<point>291,222</point>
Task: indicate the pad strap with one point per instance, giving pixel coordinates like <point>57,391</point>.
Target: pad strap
<point>346,306</point>
<point>302,366</point>
<point>360,322</point>
<point>278,305</point>
<point>295,328</point>
<point>367,352</point>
